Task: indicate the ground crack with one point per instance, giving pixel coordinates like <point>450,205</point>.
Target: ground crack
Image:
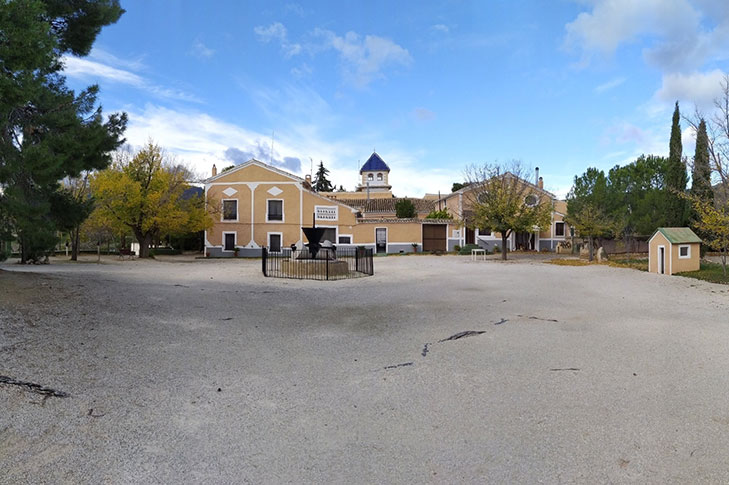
<point>32,387</point>
<point>464,334</point>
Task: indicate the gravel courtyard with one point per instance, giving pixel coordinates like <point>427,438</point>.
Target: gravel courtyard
<point>204,371</point>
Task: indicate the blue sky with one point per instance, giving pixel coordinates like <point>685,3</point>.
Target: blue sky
<point>433,87</point>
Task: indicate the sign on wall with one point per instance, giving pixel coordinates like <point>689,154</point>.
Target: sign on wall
<point>326,212</point>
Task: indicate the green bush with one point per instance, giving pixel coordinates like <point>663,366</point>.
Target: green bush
<point>457,248</point>
<point>4,250</point>
<point>497,249</point>
<point>467,248</point>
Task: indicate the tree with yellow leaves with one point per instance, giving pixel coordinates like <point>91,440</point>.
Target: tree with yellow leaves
<point>144,194</point>
<point>712,222</point>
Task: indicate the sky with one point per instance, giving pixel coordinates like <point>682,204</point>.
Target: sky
<point>433,87</point>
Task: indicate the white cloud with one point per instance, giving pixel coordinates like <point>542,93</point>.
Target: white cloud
<point>199,140</point>
<point>201,51</point>
<point>277,32</point>
<point>82,68</point>
<point>613,83</point>
<point>441,28</point>
<point>364,57</point>
<point>699,88</point>
<point>301,71</point>
<point>680,34</point>
<point>78,67</point>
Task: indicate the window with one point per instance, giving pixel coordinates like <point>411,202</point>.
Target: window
<point>379,177</point>
<point>370,176</point>
<point>345,240</point>
<point>330,234</point>
<point>274,242</point>
<point>559,229</point>
<point>684,251</point>
<point>230,210</point>
<point>326,212</point>
<point>531,200</point>
<point>484,232</point>
<point>275,210</point>
<point>229,241</point>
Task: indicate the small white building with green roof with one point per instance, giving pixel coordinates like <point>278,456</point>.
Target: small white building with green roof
<point>674,250</point>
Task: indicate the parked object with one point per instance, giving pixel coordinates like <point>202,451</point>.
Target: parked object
<point>674,250</point>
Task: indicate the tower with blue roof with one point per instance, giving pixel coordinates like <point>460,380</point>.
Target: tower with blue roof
<point>375,174</point>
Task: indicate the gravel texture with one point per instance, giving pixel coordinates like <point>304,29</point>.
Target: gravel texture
<point>435,370</point>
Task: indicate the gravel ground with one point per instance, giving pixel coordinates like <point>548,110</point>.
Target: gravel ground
<point>203,371</point>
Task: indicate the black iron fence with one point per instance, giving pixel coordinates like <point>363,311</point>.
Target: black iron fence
<point>329,264</point>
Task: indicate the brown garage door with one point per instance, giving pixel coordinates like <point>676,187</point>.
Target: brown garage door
<point>434,237</point>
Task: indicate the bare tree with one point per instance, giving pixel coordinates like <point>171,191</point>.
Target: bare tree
<point>717,130</point>
<point>501,199</point>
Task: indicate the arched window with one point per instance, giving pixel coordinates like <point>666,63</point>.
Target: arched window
<point>379,177</point>
<point>370,177</point>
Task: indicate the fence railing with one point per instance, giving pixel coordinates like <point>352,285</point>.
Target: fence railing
<point>329,264</point>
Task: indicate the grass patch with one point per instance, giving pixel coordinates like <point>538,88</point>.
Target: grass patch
<point>710,272</point>
<point>641,264</point>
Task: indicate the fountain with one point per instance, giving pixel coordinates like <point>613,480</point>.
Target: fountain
<point>319,259</point>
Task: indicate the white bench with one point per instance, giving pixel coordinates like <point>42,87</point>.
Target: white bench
<point>475,253</point>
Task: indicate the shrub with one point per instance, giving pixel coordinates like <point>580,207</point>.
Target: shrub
<point>405,209</point>
<point>441,214</point>
<point>457,248</point>
<point>467,248</point>
<point>497,249</point>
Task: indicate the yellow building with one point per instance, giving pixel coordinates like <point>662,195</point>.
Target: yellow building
<point>674,250</point>
<point>460,205</point>
<point>255,205</point>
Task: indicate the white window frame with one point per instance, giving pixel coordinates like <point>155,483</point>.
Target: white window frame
<point>336,232</point>
<point>351,239</point>
<point>235,241</point>
<point>283,212</point>
<point>564,229</point>
<point>370,177</point>
<point>222,211</point>
<point>336,212</point>
<point>688,253</point>
<point>268,240</point>
<point>379,177</point>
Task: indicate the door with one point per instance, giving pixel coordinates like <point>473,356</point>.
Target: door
<point>662,260</point>
<point>274,243</point>
<point>381,239</point>
<point>229,241</point>
<point>434,237</point>
<point>470,236</point>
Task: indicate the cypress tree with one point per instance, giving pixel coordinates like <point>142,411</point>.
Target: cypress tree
<point>701,175</point>
<point>676,177</point>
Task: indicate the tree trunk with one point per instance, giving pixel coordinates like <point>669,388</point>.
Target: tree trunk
<point>75,237</point>
<point>504,236</point>
<point>145,241</point>
<point>23,252</point>
<point>723,261</point>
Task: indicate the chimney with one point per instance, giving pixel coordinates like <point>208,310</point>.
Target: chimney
<point>536,177</point>
<point>541,183</point>
<point>307,178</point>
<point>215,170</point>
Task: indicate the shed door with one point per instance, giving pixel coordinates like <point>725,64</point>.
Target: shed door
<point>434,237</point>
<point>662,260</point>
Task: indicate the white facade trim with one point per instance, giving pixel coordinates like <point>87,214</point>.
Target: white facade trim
<point>222,211</point>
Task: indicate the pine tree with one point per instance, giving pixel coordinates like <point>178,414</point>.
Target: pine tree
<point>676,178</point>
<point>48,132</point>
<point>701,175</point>
<point>321,183</point>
